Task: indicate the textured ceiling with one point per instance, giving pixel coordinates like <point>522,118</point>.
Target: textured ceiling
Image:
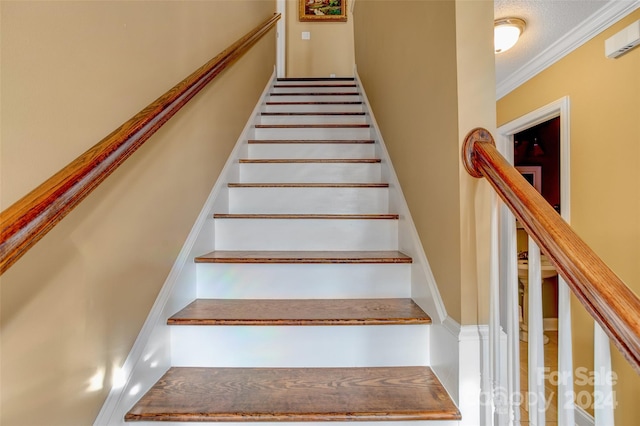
<point>548,22</point>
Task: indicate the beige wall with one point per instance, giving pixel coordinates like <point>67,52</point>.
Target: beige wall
<point>72,72</point>
<point>421,87</point>
<point>329,51</point>
<point>476,98</point>
<point>605,171</point>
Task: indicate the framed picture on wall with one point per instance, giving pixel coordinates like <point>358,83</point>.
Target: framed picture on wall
<point>323,10</point>
<point>533,175</point>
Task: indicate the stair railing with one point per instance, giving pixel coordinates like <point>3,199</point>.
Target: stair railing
<point>614,307</point>
<point>29,219</point>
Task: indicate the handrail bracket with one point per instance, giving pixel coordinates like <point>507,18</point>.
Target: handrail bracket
<point>476,135</point>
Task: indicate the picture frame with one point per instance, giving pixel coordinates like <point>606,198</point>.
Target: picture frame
<point>323,10</point>
<point>533,175</point>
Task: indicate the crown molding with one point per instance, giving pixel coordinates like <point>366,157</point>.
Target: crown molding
<point>608,15</point>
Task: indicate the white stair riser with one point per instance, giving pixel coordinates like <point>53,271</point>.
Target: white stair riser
<point>314,107</point>
<point>309,200</point>
<point>300,346</point>
<point>315,98</point>
<point>311,150</point>
<point>306,234</point>
<point>303,281</point>
<point>311,89</point>
<point>337,133</point>
<point>313,119</point>
<point>310,172</point>
<point>328,81</point>
<point>350,423</point>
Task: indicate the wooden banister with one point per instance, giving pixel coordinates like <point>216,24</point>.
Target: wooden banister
<point>603,294</point>
<point>30,218</point>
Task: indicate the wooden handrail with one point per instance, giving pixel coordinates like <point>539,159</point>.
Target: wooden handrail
<point>603,294</point>
<point>30,218</point>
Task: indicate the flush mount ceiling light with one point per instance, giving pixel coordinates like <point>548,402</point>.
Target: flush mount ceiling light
<point>506,33</point>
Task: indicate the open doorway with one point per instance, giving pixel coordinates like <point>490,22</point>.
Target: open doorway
<point>536,154</point>
<point>538,145</point>
<point>538,148</point>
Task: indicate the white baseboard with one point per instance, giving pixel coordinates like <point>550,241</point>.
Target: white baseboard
<point>474,374</point>
<point>550,324</point>
<point>459,357</point>
<point>444,348</point>
<point>583,418</point>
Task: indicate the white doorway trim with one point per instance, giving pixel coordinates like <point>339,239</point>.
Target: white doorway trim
<point>281,43</point>
<point>504,143</point>
<point>559,108</point>
<point>506,240</point>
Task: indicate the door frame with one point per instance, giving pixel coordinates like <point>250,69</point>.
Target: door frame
<point>505,239</point>
<point>559,108</point>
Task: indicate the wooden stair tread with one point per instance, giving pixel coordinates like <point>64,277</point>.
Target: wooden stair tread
<point>316,79</point>
<point>309,160</point>
<point>380,216</point>
<point>316,103</point>
<point>233,256</point>
<point>297,86</point>
<point>315,94</point>
<point>300,312</point>
<point>295,394</point>
<point>312,126</point>
<point>308,185</point>
<point>278,114</point>
<point>311,141</point>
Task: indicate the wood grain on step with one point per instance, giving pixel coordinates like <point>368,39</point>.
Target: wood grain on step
<point>309,160</point>
<point>311,113</point>
<point>312,126</point>
<point>308,185</point>
<point>297,86</point>
<point>296,394</point>
<point>316,103</point>
<point>332,79</point>
<point>304,216</point>
<point>300,312</point>
<point>329,257</point>
<point>311,141</point>
<point>316,94</point>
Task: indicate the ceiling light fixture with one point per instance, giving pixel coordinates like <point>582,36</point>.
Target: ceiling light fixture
<point>506,33</point>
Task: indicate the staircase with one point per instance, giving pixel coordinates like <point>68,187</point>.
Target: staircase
<point>304,309</point>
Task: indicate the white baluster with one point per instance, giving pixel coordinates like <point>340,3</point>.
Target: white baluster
<point>603,396</point>
<point>536,339</point>
<point>497,358</point>
<point>512,292</point>
<point>566,406</point>
<point>504,279</point>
